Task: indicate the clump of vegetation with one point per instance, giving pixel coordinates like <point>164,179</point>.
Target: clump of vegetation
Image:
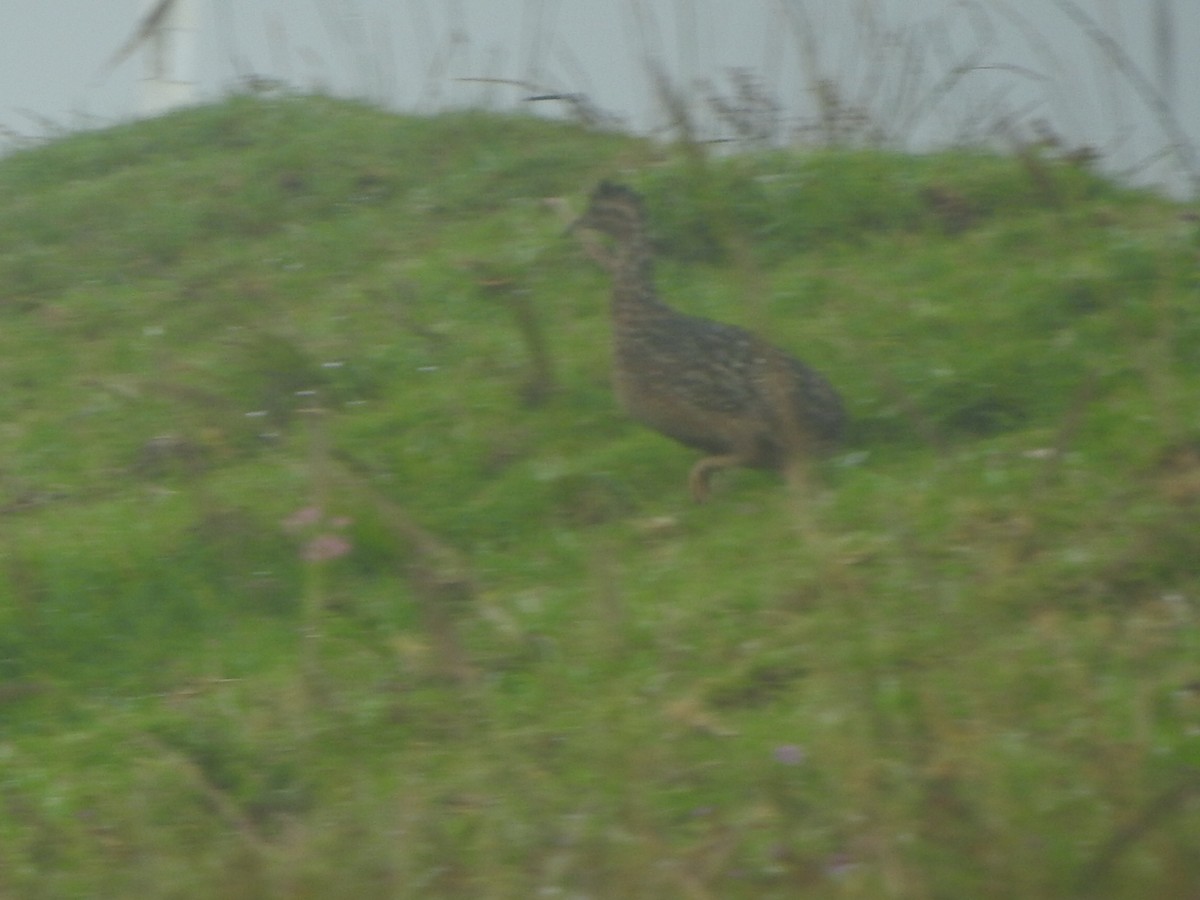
<point>329,568</point>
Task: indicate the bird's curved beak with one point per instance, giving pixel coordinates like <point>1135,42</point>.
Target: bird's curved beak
<point>573,222</point>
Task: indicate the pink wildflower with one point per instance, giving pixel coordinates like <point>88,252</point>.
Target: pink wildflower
<point>325,547</point>
<point>302,518</point>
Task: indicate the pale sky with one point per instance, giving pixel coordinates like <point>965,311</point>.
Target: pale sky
<point>1024,55</point>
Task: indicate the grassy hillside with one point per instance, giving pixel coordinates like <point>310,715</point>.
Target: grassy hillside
<point>328,567</point>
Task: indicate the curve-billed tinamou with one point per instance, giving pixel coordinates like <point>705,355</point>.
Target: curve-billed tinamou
<point>712,386</point>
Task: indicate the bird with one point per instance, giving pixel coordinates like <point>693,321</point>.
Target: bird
<point>709,385</point>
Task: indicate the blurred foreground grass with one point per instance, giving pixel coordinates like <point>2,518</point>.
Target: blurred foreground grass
<point>329,569</point>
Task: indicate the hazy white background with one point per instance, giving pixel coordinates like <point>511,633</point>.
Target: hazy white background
<point>1026,61</point>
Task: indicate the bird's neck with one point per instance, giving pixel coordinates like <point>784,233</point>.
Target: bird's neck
<point>633,273</point>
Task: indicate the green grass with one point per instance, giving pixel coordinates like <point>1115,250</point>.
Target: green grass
<point>961,661</point>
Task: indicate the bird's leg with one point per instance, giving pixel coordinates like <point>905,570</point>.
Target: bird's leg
<point>698,478</point>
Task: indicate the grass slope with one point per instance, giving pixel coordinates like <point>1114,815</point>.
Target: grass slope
<point>960,660</point>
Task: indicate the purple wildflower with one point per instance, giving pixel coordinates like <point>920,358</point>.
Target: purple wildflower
<point>789,754</point>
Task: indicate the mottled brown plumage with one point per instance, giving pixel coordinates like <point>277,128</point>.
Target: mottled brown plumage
<point>708,385</point>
